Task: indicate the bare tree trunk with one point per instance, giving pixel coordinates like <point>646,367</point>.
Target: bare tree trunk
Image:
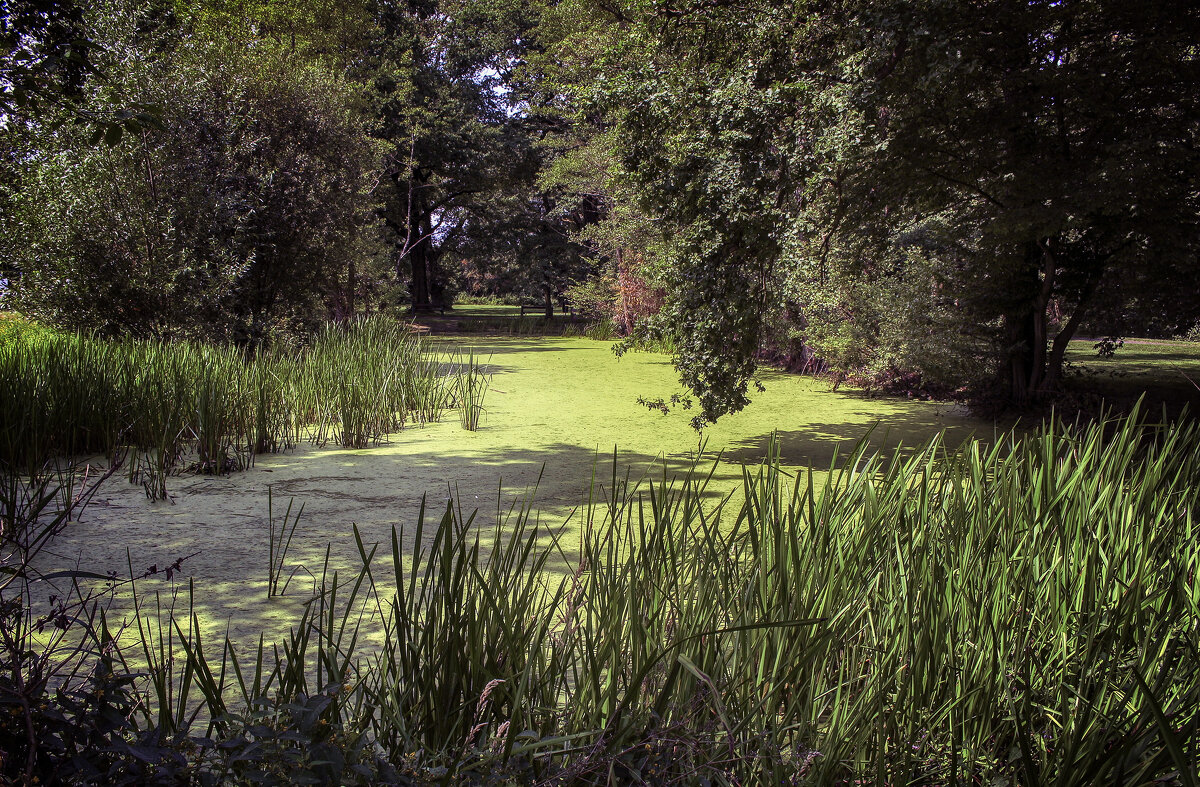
<point>1058,350</point>
<point>1026,327</point>
<point>419,255</point>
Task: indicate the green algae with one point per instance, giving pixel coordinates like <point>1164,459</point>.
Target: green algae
<point>557,413</point>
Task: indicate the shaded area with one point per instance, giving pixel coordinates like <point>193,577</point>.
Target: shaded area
<point>1166,373</point>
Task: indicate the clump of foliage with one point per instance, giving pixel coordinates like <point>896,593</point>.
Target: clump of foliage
<point>232,220</point>
<point>154,404</point>
<point>1022,612</point>
<point>594,298</point>
<point>16,327</point>
<point>951,191</point>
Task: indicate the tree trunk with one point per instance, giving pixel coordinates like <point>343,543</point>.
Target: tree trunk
<point>1058,349</point>
<point>549,303</point>
<point>1018,337</point>
<point>419,256</point>
<point>1030,371</point>
<point>1058,352</point>
<point>420,279</point>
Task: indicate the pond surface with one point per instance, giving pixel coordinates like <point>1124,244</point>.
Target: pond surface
<point>556,410</point>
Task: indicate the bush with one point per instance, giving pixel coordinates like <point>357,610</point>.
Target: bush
<point>594,298</point>
<point>14,327</point>
<point>466,299</point>
<point>229,223</point>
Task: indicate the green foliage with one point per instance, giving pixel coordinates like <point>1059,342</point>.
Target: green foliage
<point>44,54</point>
<point>68,394</point>
<point>934,615</point>
<point>945,189</point>
<point>466,299</point>
<point>230,222</point>
<point>1042,154</point>
<point>520,326</point>
<point>15,327</point>
<point>594,298</point>
<point>458,158</point>
<point>601,331</point>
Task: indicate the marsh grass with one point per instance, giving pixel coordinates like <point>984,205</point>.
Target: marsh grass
<point>279,541</point>
<point>161,402</point>
<point>1024,612</point>
<point>470,387</point>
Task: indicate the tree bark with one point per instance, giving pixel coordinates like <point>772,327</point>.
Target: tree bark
<point>1024,327</point>
<point>1018,335</point>
<point>1058,349</point>
<point>419,259</point>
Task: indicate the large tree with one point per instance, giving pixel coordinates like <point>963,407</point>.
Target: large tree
<point>1051,147</point>
<point>454,137</point>
<point>1024,160</point>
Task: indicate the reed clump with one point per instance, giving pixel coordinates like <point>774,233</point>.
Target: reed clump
<point>1022,613</point>
<point>169,405</point>
<point>471,383</point>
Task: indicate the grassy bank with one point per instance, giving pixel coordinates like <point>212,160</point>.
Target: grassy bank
<point>1020,613</point>
<point>1159,371</point>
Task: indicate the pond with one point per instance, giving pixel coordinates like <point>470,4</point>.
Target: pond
<point>556,410</point>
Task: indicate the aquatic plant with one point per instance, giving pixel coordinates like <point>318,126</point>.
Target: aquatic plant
<point>279,541</point>
<point>161,401</point>
<point>471,384</point>
<point>1023,612</point>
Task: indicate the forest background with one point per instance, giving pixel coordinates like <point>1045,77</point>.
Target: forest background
<point>932,195</point>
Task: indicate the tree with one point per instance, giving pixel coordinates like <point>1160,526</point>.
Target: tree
<point>45,54</point>
<point>440,68</point>
<point>616,242</point>
<point>1020,158</point>
<point>1049,147</point>
<point>230,222</point>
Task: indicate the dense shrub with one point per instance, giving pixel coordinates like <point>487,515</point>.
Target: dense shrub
<point>232,221</point>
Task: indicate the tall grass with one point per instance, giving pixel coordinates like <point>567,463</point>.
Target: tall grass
<point>1024,613</point>
<point>162,402</point>
<point>471,383</point>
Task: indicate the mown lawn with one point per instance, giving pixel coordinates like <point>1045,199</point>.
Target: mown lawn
<point>1163,371</point>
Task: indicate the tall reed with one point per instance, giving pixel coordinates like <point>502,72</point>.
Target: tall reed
<point>470,387</point>
<point>74,394</point>
<point>1020,613</point>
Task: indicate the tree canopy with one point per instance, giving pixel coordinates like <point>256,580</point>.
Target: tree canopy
<point>886,188</point>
